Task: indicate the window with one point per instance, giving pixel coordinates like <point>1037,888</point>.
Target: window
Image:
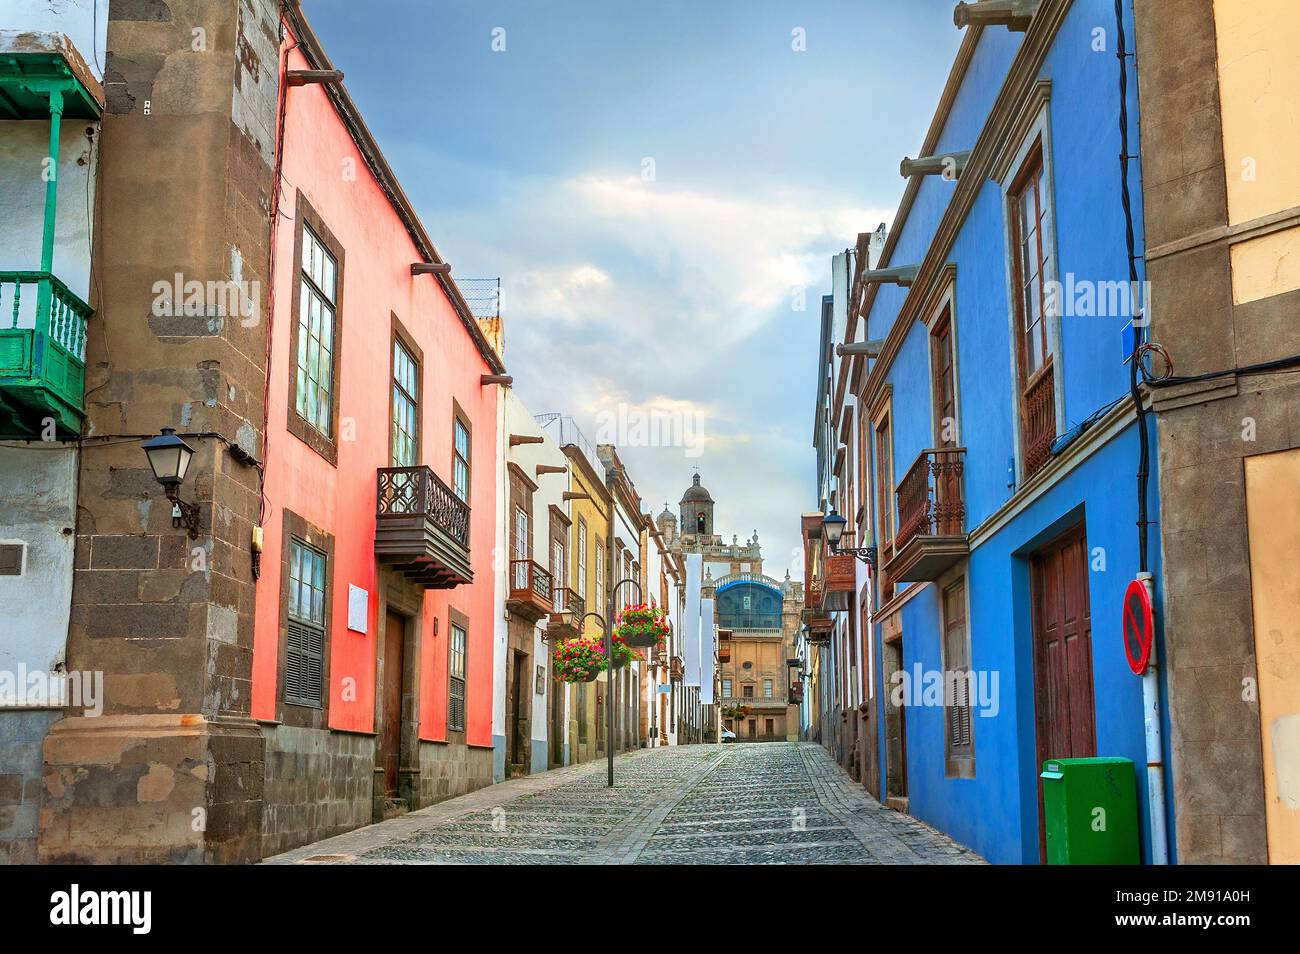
<point>1030,234</point>
<point>460,459</point>
<point>885,500</point>
<point>748,691</point>
<point>456,679</point>
<point>767,688</point>
<point>959,743</point>
<point>558,558</point>
<point>582,558</point>
<point>305,641</point>
<point>405,440</point>
<point>1029,219</point>
<point>314,395</point>
<point>521,534</point>
<point>726,688</point>
<point>600,577</point>
<point>945,396</point>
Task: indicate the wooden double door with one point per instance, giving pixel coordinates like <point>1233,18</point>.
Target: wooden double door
<point>1064,711</point>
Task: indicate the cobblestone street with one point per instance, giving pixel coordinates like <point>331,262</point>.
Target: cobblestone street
<point>773,803</point>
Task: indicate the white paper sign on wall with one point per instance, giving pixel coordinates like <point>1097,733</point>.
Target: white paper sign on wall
<point>358,609</point>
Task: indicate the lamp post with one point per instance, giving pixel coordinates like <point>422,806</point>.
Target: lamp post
<point>169,458</point>
<point>607,625</point>
<point>833,526</point>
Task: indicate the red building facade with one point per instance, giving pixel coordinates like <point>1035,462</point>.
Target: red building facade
<point>372,650</point>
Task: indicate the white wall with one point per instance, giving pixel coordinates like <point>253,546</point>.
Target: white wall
<point>550,490</point>
<point>84,22</point>
<point>38,504</point>
<point>23,146</point>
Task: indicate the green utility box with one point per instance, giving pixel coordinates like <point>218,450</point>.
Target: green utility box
<point>1090,812</point>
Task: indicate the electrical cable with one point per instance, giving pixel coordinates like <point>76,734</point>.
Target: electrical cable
<point>1144,441</point>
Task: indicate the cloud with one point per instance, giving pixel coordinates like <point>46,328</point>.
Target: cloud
<point>647,309</point>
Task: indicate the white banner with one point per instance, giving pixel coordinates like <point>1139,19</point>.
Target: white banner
<point>691,620</point>
<point>708,638</point>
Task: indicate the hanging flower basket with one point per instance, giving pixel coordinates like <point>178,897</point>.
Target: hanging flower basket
<point>579,660</point>
<point>623,653</point>
<point>642,625</point>
<point>735,712</point>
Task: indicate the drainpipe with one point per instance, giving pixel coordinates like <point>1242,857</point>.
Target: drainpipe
<point>1155,750</point>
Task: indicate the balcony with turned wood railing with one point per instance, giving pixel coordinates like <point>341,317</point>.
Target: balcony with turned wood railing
<point>567,610</point>
<point>839,585</point>
<point>931,534</point>
<point>1038,419</point>
<point>422,528</point>
<point>529,596</point>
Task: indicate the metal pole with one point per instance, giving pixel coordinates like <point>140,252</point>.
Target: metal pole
<point>609,701</point>
<point>609,670</point>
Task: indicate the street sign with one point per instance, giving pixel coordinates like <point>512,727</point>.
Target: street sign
<point>1139,627</point>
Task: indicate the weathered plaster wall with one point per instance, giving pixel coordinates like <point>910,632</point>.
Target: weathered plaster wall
<point>1274,520</point>
<point>24,145</point>
<point>172,770</point>
<point>1215,92</point>
<point>38,512</point>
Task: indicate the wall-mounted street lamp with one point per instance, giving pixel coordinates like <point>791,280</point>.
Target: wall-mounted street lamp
<point>833,526</point>
<point>169,457</point>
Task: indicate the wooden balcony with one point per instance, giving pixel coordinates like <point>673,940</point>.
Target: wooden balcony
<point>820,627</point>
<point>932,518</point>
<point>840,584</point>
<point>529,596</point>
<point>422,528</point>
<point>567,609</point>
<point>676,668</point>
<point>1038,419</point>
<point>42,354</point>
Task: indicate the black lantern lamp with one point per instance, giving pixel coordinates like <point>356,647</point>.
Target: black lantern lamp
<point>833,526</point>
<point>169,456</point>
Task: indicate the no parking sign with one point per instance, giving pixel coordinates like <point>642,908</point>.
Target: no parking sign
<point>1139,627</point>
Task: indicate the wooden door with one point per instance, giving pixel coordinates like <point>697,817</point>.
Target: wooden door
<point>390,733</point>
<point>519,753</point>
<point>1064,714</point>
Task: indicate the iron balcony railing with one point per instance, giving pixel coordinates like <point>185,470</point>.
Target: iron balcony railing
<point>417,491</point>
<point>565,600</point>
<point>1038,419</point>
<point>930,500</point>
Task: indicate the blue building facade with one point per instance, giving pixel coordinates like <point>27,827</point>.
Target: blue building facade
<point>998,438</point>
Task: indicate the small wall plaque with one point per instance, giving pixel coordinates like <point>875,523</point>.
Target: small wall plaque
<point>358,609</point>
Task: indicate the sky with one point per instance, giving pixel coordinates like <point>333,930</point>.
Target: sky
<point>660,187</point>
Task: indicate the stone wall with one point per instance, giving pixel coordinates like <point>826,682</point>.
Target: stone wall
<point>451,769</point>
<point>185,183</point>
<point>319,783</point>
<point>21,788</point>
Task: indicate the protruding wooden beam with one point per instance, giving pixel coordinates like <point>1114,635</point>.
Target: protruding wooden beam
<point>870,348</point>
<point>950,165</point>
<point>431,268</point>
<point>574,495</point>
<point>517,439</point>
<point>551,469</point>
<point>903,275</point>
<point>305,77</point>
<point>1015,15</point>
<point>496,379</point>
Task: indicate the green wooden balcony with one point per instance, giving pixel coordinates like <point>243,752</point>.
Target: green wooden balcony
<point>42,355</point>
